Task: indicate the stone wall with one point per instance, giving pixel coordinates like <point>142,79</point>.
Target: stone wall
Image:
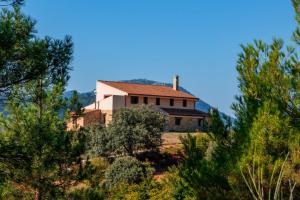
<point>187,124</point>
<point>92,118</point>
<point>89,118</point>
<point>107,116</point>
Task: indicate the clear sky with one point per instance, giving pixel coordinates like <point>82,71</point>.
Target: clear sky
<point>155,39</point>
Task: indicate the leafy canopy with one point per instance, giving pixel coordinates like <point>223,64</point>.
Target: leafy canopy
<point>131,130</point>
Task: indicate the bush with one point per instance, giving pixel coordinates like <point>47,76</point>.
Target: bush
<point>148,189</point>
<point>125,170</point>
<point>135,129</point>
<point>97,140</point>
<point>131,130</point>
<point>94,171</point>
<point>87,194</point>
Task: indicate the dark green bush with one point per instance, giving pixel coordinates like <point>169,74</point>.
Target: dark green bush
<point>125,170</point>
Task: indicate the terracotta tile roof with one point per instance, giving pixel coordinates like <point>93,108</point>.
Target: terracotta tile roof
<point>85,111</point>
<point>185,112</point>
<point>150,90</point>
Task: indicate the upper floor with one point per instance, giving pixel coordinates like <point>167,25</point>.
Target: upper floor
<point>114,95</point>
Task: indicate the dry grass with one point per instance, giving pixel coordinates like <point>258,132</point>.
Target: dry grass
<point>171,141</point>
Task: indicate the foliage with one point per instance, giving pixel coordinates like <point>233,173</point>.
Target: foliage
<point>35,148</point>
<point>131,130</point>
<point>267,111</point>
<point>136,129</point>
<point>36,151</point>
<point>147,189</point>
<point>87,194</point>
<point>11,2</point>
<point>10,191</point>
<point>125,170</point>
<point>255,181</point>
<point>98,141</point>
<point>74,104</point>
<point>90,178</point>
<point>25,57</point>
<point>94,171</point>
<point>75,109</point>
<point>267,125</point>
<point>204,172</point>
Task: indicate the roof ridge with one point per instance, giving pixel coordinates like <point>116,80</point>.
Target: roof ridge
<point>164,85</point>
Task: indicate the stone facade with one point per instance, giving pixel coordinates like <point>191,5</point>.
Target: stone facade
<point>186,123</point>
<point>93,117</point>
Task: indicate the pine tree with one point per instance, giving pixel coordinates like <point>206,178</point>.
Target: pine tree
<point>267,111</point>
<point>36,152</point>
<point>24,56</point>
<point>204,172</point>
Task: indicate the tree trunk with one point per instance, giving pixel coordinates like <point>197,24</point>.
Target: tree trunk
<point>37,195</point>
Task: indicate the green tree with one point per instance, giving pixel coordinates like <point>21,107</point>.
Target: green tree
<point>131,130</point>
<point>11,2</point>
<point>267,112</point>
<point>23,55</point>
<point>36,151</point>
<point>75,108</point>
<point>204,172</point>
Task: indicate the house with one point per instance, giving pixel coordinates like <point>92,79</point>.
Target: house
<point>178,106</point>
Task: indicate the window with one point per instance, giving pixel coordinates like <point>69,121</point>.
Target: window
<point>177,121</point>
<point>145,100</point>
<point>200,122</point>
<point>171,102</point>
<point>184,103</point>
<point>134,100</point>
<point>157,101</point>
<point>104,118</point>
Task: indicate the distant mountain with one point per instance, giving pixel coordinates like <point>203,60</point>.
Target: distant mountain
<point>88,98</point>
<point>85,98</point>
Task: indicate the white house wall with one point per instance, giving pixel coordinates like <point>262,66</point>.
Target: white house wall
<point>164,102</point>
<point>102,89</point>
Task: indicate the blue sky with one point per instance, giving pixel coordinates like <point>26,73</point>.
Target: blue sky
<point>155,39</point>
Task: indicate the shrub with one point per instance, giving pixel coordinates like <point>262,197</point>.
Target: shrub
<point>147,189</point>
<point>98,141</point>
<point>137,128</point>
<point>87,194</point>
<point>94,171</point>
<point>125,170</point>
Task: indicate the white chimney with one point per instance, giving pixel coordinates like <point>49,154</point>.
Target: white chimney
<point>176,82</point>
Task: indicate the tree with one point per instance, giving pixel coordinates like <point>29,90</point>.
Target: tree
<point>24,56</point>
<point>11,2</point>
<point>98,141</point>
<point>76,109</point>
<point>204,171</point>
<point>36,151</point>
<point>267,126</point>
<point>131,130</point>
<point>268,111</point>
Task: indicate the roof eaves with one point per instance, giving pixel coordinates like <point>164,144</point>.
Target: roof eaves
<point>192,97</point>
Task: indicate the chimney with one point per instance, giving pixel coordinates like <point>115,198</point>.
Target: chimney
<point>176,82</point>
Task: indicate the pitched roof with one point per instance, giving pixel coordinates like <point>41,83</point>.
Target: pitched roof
<point>185,112</point>
<point>148,90</point>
